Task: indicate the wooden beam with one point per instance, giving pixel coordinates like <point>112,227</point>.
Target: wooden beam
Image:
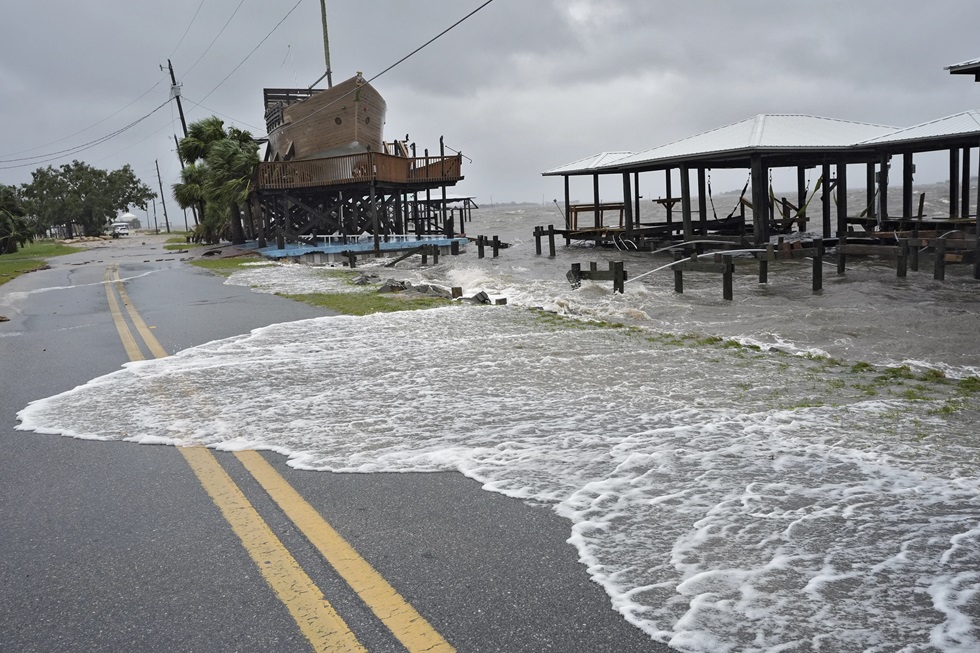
<point>908,168</point>
<point>760,199</point>
<point>841,200</point>
<point>686,203</point>
<point>827,198</point>
<point>702,201</point>
<point>954,182</point>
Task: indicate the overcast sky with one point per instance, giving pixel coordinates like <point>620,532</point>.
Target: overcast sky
<point>520,87</point>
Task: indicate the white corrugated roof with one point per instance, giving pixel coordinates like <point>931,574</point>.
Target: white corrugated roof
<point>963,64</point>
<point>588,163</point>
<point>967,122</point>
<point>765,131</point>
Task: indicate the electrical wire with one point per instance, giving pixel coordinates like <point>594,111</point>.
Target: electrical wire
<point>96,124</point>
<point>193,18</point>
<point>253,50</point>
<point>217,113</point>
<point>400,61</point>
<point>217,36</point>
<point>51,156</point>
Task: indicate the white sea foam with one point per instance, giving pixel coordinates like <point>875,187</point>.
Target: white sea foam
<point>728,499</point>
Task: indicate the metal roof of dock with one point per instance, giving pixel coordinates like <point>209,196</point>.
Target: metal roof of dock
<point>589,163</point>
<point>971,67</point>
<point>733,144</point>
<point>935,134</point>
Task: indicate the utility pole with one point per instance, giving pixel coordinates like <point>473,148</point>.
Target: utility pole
<point>156,229</point>
<point>162,201</point>
<point>326,43</point>
<point>175,93</point>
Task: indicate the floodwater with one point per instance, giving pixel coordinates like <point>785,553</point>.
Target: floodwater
<point>787,471</point>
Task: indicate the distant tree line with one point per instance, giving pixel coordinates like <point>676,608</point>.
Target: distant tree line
<point>73,197</point>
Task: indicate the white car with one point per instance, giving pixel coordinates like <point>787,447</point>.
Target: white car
<point>120,230</point>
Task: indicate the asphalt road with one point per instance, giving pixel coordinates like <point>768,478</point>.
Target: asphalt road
<point>118,547</point>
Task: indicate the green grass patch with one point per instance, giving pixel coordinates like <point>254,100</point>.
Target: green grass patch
<point>969,385</point>
<point>895,374</point>
<point>31,257</point>
<point>368,303</point>
<point>862,366</point>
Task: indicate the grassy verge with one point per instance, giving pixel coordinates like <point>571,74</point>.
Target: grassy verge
<point>363,302</point>
<point>180,241</point>
<point>366,303</point>
<point>31,257</point>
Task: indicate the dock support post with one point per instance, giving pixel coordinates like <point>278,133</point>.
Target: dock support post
<point>914,251</point>
<point>551,240</point>
<point>678,275</point>
<point>454,248</point>
<point>480,240</point>
<point>495,246</point>
<point>940,272</point>
<point>727,277</point>
<point>351,259</point>
<point>841,257</point>
<point>619,277</point>
<point>903,258</point>
<point>537,241</point>
<point>457,292</point>
<point>818,264</point>
<point>763,270</point>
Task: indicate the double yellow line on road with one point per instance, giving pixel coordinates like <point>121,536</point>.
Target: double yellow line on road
<point>314,615</point>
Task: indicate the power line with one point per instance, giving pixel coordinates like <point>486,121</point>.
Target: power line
<point>52,156</point>
<point>96,124</point>
<point>193,18</point>
<point>253,50</point>
<point>217,113</point>
<point>400,61</point>
<point>430,41</point>
<point>220,32</point>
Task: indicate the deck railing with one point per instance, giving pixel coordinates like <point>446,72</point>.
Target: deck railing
<point>357,168</point>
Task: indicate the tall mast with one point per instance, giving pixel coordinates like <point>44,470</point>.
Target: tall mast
<point>326,42</point>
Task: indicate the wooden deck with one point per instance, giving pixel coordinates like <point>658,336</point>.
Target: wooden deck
<point>360,168</point>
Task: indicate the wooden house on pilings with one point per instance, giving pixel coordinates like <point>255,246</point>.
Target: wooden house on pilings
<point>767,142</point>
<point>329,172</point>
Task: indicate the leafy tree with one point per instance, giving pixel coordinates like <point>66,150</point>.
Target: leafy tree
<point>15,230</point>
<point>77,193</point>
<point>220,167</point>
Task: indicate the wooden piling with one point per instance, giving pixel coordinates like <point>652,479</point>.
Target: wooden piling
<point>818,264</point>
<point>903,259</point>
<point>678,275</point>
<point>940,272</point>
<point>454,248</point>
<point>914,251</point>
<point>551,241</point>
<point>457,292</point>
<point>480,241</point>
<point>841,258</point>
<point>537,241</point>
<point>727,277</point>
<point>763,270</point>
<point>351,259</point>
<point>496,246</point>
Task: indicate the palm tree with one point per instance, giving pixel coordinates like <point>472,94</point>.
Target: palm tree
<point>220,167</point>
<point>231,164</point>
